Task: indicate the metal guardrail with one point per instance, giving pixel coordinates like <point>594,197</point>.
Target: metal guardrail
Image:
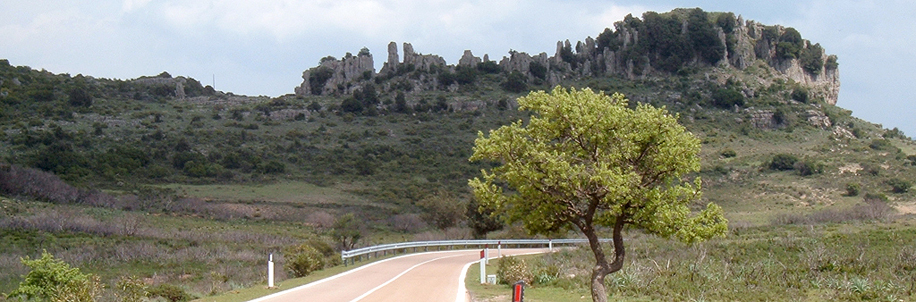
<point>368,251</point>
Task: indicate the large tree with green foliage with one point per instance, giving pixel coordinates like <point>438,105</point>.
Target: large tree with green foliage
<point>586,160</point>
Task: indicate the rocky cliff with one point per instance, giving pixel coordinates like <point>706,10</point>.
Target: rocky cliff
<point>656,45</point>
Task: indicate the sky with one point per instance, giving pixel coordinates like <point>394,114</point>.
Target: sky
<point>261,47</point>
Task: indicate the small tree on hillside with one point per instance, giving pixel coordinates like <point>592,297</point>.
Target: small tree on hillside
<point>586,160</point>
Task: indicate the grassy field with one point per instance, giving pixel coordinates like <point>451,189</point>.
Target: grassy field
<point>829,262</point>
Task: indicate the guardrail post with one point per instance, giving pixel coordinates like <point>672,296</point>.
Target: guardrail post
<point>550,245</point>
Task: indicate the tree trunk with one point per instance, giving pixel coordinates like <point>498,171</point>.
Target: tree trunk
<point>602,267</point>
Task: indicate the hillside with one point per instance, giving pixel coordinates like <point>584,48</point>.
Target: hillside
<point>236,177</point>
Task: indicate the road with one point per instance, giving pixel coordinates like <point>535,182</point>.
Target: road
<point>432,276</point>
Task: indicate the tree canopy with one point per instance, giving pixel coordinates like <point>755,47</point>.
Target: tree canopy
<point>586,160</point>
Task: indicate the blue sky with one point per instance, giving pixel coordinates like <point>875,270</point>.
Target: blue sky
<point>259,47</point>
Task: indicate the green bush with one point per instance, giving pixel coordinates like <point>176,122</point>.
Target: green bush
<point>899,185</point>
<point>875,197</point>
<point>516,82</point>
<point>727,98</point>
<point>302,260</point>
<point>811,59</point>
<point>728,153</point>
<point>513,269</point>
<point>853,189</point>
<point>800,94</point>
<point>783,162</point>
<point>51,279</point>
<point>130,289</point>
<point>172,293</point>
<point>882,144</point>
<point>809,167</point>
<point>311,256</point>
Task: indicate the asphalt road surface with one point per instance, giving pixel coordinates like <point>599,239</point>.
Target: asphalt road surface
<point>432,276</point>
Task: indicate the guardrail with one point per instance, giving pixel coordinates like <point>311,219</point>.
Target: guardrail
<point>369,251</point>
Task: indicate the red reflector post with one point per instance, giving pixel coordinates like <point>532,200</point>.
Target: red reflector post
<point>518,292</point>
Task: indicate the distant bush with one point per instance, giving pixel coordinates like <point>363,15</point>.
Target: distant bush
<point>538,70</point>
<point>800,94</point>
<point>728,153</point>
<point>899,185</point>
<point>516,82</point>
<point>513,269</point>
<point>783,162</point>
<point>319,78</point>
<point>489,67</point>
<point>811,59</point>
<point>853,189</point>
<point>875,197</point>
<point>465,75</point>
<point>727,98</point>
<point>831,63</point>
<point>882,144</point>
<point>809,167</point>
<point>790,44</point>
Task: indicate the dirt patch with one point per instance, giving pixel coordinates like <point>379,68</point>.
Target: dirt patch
<point>906,207</point>
<point>851,168</point>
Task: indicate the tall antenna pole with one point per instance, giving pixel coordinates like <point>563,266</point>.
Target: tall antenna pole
<point>214,81</point>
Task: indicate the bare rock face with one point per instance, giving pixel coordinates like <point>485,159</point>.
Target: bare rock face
<point>333,75</point>
<point>468,59</point>
<point>421,61</point>
<point>392,64</point>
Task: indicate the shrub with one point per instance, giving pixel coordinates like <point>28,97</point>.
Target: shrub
<point>853,189</point>
<point>52,279</point>
<point>489,67</point>
<point>513,269</point>
<point>800,94</point>
<point>728,153</point>
<point>172,293</point>
<point>537,70</point>
<point>302,260</point>
<point>783,162</point>
<point>811,59</point>
<point>130,289</point>
<point>875,197</point>
<point>899,185</point>
<point>882,144</point>
<point>727,98</point>
<point>516,82</point>
<point>808,167</point>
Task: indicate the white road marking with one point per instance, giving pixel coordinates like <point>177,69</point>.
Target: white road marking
<point>399,275</point>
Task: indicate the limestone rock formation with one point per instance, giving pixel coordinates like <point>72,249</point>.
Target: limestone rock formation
<point>332,76</point>
<point>468,59</point>
<point>622,52</point>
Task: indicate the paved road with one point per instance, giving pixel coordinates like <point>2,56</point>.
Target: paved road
<point>433,276</point>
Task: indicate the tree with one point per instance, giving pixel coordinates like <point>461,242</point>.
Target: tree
<point>54,280</point>
<point>587,161</point>
<point>442,209</point>
<point>347,231</point>
<point>482,220</point>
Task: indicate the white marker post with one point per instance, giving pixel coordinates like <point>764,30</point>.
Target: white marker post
<point>483,267</point>
<point>486,253</point>
<point>270,271</point>
<point>499,249</point>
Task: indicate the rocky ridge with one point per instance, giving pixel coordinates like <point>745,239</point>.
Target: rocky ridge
<point>617,52</point>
